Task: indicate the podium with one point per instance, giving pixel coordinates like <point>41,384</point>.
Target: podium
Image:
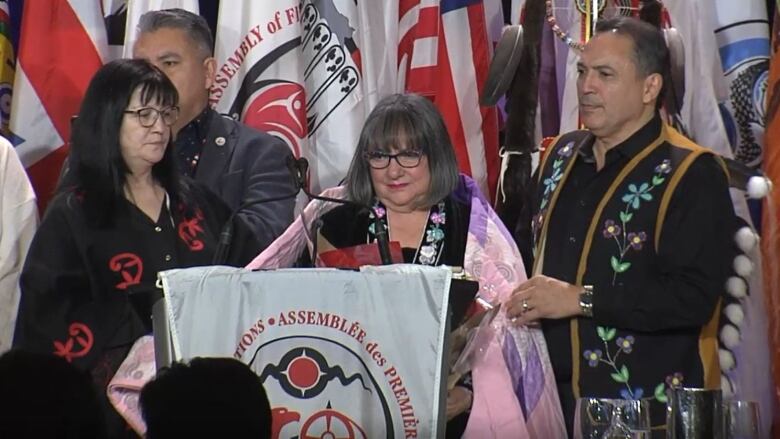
<point>357,354</point>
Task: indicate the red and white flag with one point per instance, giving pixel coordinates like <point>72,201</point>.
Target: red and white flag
<point>444,52</point>
<point>62,44</point>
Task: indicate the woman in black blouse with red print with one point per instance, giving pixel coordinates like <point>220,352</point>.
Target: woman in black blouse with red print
<point>121,215</point>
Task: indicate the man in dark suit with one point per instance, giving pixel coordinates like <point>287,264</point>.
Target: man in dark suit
<point>237,162</point>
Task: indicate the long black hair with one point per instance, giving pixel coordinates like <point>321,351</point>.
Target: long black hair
<point>97,172</point>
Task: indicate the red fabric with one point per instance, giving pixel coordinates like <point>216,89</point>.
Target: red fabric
<point>359,255</point>
<point>59,59</point>
<point>437,82</point>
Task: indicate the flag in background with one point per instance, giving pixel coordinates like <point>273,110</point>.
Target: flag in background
<point>464,58</point>
<point>721,80</point>
<point>8,62</point>
<point>418,32</point>
<point>444,52</point>
<point>114,17</point>
<point>50,83</point>
<point>570,20</point>
<point>293,69</point>
<point>378,60</point>
<point>136,8</point>
<point>516,10</point>
<point>741,32</point>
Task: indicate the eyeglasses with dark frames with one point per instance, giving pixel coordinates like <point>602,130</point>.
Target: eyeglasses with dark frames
<point>409,158</point>
<point>147,116</point>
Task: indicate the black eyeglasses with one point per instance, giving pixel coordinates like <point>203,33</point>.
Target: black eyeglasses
<point>147,116</point>
<point>406,159</point>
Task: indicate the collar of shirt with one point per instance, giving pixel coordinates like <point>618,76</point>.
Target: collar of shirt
<point>190,140</point>
<point>629,147</point>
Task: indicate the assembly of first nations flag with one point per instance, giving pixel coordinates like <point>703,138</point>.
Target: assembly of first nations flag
<point>341,354</point>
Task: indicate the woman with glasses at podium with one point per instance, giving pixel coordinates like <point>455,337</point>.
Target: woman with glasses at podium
<point>122,213</point>
<point>405,173</point>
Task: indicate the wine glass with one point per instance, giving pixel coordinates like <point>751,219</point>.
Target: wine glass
<point>742,419</point>
<point>601,418</point>
<point>592,417</point>
<point>630,419</point>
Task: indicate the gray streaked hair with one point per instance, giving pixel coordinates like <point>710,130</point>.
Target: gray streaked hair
<point>193,25</point>
<point>404,121</point>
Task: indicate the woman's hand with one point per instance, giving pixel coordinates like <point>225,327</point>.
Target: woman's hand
<point>459,399</point>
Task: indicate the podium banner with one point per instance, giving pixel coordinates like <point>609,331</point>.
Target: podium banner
<point>340,353</point>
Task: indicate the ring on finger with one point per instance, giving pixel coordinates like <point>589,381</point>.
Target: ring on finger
<point>525,306</point>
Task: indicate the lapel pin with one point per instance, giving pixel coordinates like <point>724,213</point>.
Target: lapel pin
<point>220,141</point>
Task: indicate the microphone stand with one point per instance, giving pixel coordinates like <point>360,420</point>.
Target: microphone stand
<point>300,172</point>
<point>298,169</point>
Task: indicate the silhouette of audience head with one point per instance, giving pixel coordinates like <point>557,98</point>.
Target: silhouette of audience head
<point>219,397</point>
<point>45,396</point>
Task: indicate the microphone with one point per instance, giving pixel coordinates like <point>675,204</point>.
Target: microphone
<point>299,168</point>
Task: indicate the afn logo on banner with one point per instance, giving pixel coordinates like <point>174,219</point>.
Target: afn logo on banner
<point>304,371</point>
<point>290,69</point>
<point>341,354</point>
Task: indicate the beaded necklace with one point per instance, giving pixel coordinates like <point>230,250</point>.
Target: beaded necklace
<point>431,245</point>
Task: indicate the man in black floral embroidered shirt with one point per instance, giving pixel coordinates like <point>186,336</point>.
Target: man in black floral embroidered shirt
<point>632,232</point>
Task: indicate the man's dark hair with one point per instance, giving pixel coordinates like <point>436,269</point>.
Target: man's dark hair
<point>210,397</point>
<point>651,55</point>
<point>411,121</point>
<point>45,396</point>
<point>193,25</point>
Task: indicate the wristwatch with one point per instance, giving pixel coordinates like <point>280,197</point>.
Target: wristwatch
<point>586,300</point>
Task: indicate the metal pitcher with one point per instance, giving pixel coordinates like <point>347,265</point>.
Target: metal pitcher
<point>694,414</point>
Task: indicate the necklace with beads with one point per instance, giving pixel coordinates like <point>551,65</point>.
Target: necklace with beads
<point>431,245</point>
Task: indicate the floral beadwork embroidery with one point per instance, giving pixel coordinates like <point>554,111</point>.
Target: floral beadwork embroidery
<point>672,381</point>
<point>433,239</point>
<point>550,184</point>
<point>377,210</point>
<point>618,231</point>
<point>620,372</point>
<point>434,234</point>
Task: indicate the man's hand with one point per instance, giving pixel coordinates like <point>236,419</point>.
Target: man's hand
<point>543,297</point>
